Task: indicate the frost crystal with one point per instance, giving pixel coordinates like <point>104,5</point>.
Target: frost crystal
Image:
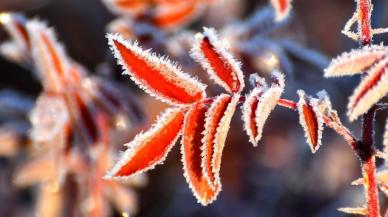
<point>150,148</point>
<point>159,77</point>
<point>214,56</point>
<point>311,120</point>
<point>356,61</point>
<point>371,89</point>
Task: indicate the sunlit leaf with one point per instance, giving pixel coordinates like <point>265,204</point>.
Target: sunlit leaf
<point>215,57</point>
<point>191,155</point>
<point>150,148</point>
<point>158,76</point>
<point>282,8</point>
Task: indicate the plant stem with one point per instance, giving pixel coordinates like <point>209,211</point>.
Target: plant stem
<point>364,8</point>
<point>367,156</point>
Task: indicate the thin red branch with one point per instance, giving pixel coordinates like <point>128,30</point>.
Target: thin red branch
<point>364,21</point>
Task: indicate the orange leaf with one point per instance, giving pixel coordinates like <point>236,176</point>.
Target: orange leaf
<point>175,14</point>
<point>217,123</point>
<point>191,155</point>
<point>311,120</point>
<point>157,76</point>
<point>150,148</point>
<point>216,59</point>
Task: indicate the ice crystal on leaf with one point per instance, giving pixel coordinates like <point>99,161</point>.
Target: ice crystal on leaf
<point>373,62</point>
<point>282,8</point>
<point>372,88</point>
<point>311,120</point>
<point>214,57</point>
<point>356,61</point>
<point>157,76</point>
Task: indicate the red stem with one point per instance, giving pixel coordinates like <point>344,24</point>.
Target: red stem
<point>364,21</point>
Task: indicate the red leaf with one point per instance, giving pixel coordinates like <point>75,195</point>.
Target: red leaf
<point>216,59</point>
<point>157,76</point>
<point>150,148</point>
<point>217,123</point>
<point>311,120</point>
<point>371,89</point>
<point>191,155</point>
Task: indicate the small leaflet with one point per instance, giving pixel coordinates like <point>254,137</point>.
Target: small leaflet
<point>220,138</point>
<point>158,76</point>
<point>311,120</point>
<point>356,61</point>
<point>259,105</point>
<point>194,125</point>
<point>49,56</point>
<point>215,57</point>
<point>282,9</point>
<point>148,149</point>
<point>372,88</point>
<point>212,122</point>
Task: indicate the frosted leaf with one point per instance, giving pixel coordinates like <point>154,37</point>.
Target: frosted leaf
<point>258,106</point>
<point>257,81</point>
<point>158,76</point>
<point>282,8</point>
<point>177,14</point>
<point>49,56</point>
<point>311,120</point>
<point>215,57</point>
<point>150,148</point>
<point>356,61</point>
<point>48,118</point>
<point>372,88</point>
<point>249,114</point>
<point>220,137</point>
<point>354,210</point>
<point>194,125</point>
<point>212,122</point>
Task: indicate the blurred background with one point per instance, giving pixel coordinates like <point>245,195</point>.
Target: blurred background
<point>280,177</point>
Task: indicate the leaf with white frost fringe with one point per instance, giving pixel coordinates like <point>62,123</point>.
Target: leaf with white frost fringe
<point>282,8</point>
<point>356,61</point>
<point>258,106</point>
<point>213,118</point>
<point>353,210</point>
<point>49,56</point>
<point>194,125</point>
<point>220,137</point>
<point>372,88</point>
<point>215,57</point>
<point>311,120</point>
<point>150,148</point>
<point>158,76</point>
